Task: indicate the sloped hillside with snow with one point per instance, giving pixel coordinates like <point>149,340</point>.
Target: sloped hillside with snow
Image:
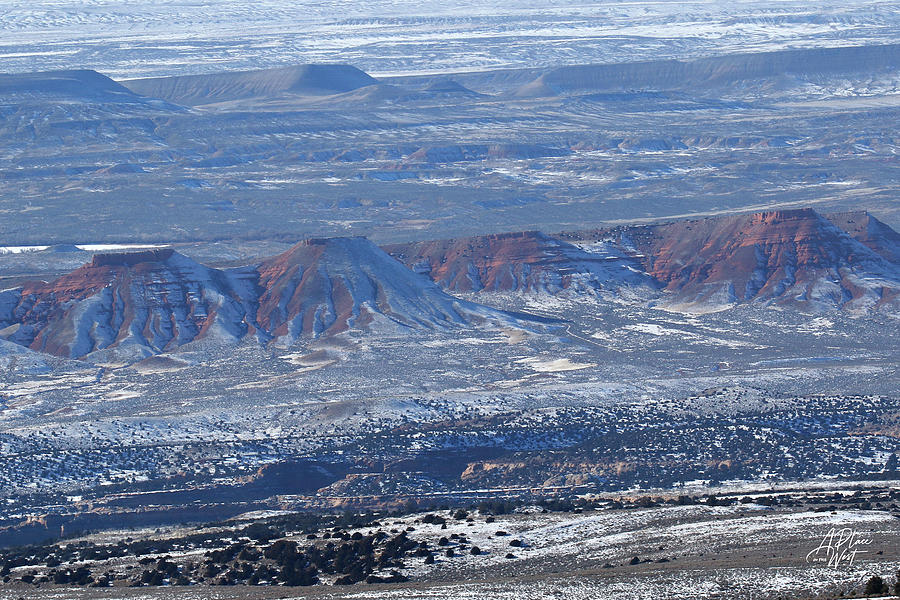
<point>789,257</point>
<point>325,286</point>
<point>155,301</point>
<point>313,79</point>
<point>149,301</point>
<point>792,257</point>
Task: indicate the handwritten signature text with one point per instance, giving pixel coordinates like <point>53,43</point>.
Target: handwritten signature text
<point>839,548</point>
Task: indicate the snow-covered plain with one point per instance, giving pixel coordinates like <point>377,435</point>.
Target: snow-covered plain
<point>168,37</point>
<point>77,247</point>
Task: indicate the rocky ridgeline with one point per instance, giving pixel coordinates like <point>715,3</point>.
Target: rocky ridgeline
<point>156,301</point>
<point>795,258</point>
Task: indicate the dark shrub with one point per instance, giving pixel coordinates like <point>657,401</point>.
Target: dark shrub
<point>876,586</point>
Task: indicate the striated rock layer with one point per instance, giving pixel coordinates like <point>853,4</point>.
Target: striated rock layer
<point>871,232</point>
<point>528,261</point>
<point>155,301</point>
<point>326,286</point>
<point>149,302</point>
<point>786,257</point>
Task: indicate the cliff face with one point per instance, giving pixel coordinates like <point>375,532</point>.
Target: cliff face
<point>322,287</point>
<point>785,257</point>
<point>527,262</point>
<point>871,232</point>
<point>154,301</point>
<point>157,301</point>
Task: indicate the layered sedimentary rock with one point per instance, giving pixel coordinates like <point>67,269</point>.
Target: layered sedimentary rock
<point>325,286</point>
<point>155,301</point>
<point>788,257</point>
<point>528,261</point>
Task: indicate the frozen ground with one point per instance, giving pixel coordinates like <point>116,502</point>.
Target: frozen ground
<point>167,37</point>
<point>396,162</point>
<point>694,552</point>
<point>618,398</point>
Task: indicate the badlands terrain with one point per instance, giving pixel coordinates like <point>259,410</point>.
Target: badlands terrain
<point>147,389</point>
<point>614,280</point>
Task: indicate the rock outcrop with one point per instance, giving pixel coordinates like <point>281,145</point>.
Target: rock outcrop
<point>795,257</point>
<point>150,301</point>
<point>527,262</point>
<point>326,286</point>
